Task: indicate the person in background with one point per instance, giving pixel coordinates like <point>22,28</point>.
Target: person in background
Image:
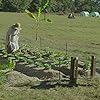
<point>71,16</point>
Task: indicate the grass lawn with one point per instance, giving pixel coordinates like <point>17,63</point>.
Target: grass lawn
<point>81,34</point>
<point>83,38</point>
<point>87,90</point>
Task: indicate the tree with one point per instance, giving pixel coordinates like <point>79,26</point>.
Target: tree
<point>59,5</point>
<point>34,5</point>
<point>0,4</point>
<point>15,5</point>
<point>54,5</point>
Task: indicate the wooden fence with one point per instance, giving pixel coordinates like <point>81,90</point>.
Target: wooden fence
<point>74,70</point>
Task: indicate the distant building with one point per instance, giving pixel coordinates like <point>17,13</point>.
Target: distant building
<point>84,13</point>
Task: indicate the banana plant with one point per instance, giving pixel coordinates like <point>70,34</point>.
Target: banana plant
<point>37,16</point>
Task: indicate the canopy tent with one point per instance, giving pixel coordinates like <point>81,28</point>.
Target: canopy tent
<point>95,14</point>
<point>84,13</point>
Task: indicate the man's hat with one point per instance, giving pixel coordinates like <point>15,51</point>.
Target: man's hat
<point>17,26</point>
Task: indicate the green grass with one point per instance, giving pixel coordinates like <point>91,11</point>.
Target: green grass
<point>87,90</point>
<point>82,34</point>
<point>83,37</point>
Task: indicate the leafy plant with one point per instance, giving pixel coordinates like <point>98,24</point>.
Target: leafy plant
<point>38,64</point>
<point>47,66</point>
<point>39,58</point>
<point>87,65</point>
<point>9,64</point>
<point>2,78</point>
<point>5,67</point>
<point>37,17</point>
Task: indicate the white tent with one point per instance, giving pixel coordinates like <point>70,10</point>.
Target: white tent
<point>94,14</point>
<point>84,13</point>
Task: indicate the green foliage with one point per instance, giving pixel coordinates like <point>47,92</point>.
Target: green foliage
<point>38,64</point>
<point>2,78</point>
<point>54,5</point>
<point>87,65</point>
<point>15,5</point>
<point>30,14</point>
<point>0,4</point>
<point>40,9</point>
<point>11,64</point>
<point>8,64</point>
<point>47,66</point>
<point>39,58</point>
<point>6,60</point>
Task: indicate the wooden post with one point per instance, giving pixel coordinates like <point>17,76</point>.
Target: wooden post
<point>36,36</point>
<point>71,69</point>
<point>59,70</point>
<point>66,49</point>
<point>72,72</point>
<point>93,66</point>
<point>40,42</point>
<point>76,71</point>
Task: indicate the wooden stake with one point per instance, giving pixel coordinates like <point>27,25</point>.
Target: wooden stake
<point>76,65</point>
<point>40,42</point>
<point>59,70</point>
<point>66,49</point>
<point>72,71</point>
<point>93,66</point>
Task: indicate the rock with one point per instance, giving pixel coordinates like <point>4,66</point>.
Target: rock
<point>51,74</point>
<point>18,79</point>
<point>63,68</point>
<point>40,73</point>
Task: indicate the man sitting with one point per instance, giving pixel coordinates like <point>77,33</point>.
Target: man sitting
<point>71,16</point>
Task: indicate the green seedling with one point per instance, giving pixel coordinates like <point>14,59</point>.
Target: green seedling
<point>37,16</point>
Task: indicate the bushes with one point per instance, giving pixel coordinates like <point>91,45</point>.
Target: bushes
<point>15,5</point>
<point>54,5</point>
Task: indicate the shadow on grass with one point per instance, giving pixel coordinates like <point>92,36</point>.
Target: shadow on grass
<point>85,85</point>
<point>29,71</point>
<point>51,84</point>
<point>55,83</point>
